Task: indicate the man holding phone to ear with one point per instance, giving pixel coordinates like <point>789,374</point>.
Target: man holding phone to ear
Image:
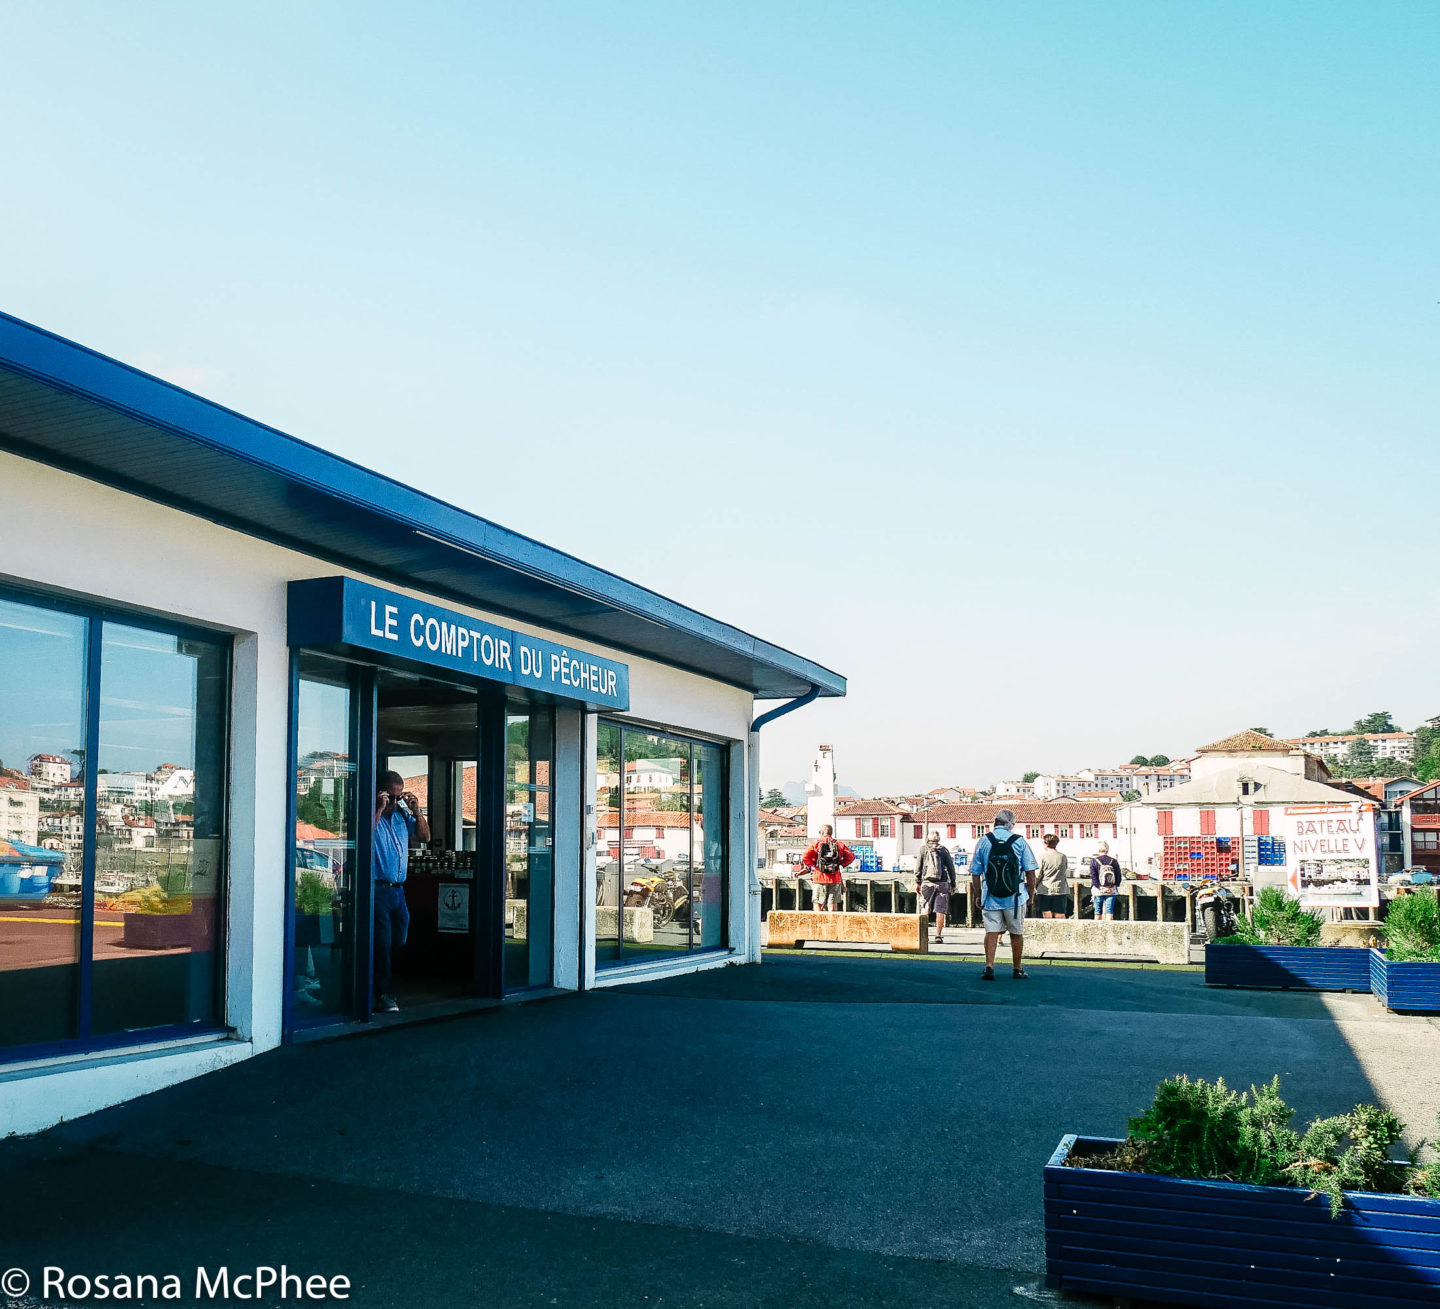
<point>399,819</point>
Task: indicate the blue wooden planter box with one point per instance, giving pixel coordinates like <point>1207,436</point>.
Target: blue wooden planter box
<point>1303,967</point>
<point>1225,1245</point>
<point>1406,987</point>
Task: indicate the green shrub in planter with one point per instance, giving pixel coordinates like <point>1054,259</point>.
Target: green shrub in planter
<point>1276,919</point>
<point>1412,927</point>
<point>1207,1132</point>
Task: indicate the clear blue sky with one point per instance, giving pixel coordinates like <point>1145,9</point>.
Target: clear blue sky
<point>1064,374</point>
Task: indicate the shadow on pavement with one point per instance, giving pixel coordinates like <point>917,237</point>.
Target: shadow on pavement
<point>874,1128</point>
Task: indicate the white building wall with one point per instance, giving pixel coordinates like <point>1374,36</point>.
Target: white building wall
<point>218,578</point>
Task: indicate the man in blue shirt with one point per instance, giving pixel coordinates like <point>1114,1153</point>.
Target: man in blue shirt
<point>399,819</point>
<point>1002,879</point>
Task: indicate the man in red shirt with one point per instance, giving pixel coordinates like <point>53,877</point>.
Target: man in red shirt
<point>826,857</point>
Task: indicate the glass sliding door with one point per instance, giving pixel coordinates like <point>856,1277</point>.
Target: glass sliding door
<point>324,841</point>
<point>609,894</point>
<point>707,871</point>
<point>655,845</point>
<point>529,845</point>
<point>42,826</point>
<point>661,825</point>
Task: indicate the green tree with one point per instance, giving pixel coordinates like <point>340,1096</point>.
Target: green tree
<point>1360,759</point>
<point>1427,754</point>
<point>774,798</point>
<point>1159,760</point>
<point>1319,731</point>
<point>1264,731</point>
<point>1380,721</point>
<point>1129,797</point>
<point>1030,776</point>
<point>1141,759</point>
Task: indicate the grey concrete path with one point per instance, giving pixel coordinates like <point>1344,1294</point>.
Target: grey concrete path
<point>816,1130</point>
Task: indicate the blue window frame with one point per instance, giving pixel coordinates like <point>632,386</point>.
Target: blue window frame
<point>114,732</point>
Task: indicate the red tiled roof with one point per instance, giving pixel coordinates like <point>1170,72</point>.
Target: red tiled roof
<point>1037,811</point>
<point>1247,741</point>
<point>659,818</point>
<point>1352,736</point>
<point>872,809</point>
<point>309,832</point>
<point>14,783</point>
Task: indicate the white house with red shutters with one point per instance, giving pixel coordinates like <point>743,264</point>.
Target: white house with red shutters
<point>897,834</point>
<point>1234,785</point>
<point>654,836</point>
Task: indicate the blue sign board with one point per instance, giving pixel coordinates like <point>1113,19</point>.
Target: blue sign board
<point>341,611</point>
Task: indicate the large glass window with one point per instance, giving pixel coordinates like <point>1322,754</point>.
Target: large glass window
<point>42,826</point>
<point>325,856</point>
<point>660,844</point>
<point>608,836</point>
<point>159,829</point>
<point>529,846</point>
<point>112,862</point>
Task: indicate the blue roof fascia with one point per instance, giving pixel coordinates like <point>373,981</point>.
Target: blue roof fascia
<point>69,366</point>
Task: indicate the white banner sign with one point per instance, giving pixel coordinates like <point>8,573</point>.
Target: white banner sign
<point>1330,854</point>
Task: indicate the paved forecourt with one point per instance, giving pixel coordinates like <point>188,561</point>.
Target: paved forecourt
<point>873,1128</point>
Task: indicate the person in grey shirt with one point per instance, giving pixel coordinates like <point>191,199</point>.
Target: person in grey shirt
<point>1052,881</point>
<point>935,882</point>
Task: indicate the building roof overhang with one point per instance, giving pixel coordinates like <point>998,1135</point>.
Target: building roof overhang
<point>72,408</point>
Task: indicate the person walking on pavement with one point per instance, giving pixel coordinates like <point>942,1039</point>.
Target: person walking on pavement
<point>1002,879</point>
<point>935,882</point>
<point>827,857</point>
<point>1104,883</point>
<point>1052,883</point>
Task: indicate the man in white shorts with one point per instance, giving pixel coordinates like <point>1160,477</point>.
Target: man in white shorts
<point>1002,879</point>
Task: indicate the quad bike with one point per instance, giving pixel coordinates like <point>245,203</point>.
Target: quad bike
<point>664,894</point>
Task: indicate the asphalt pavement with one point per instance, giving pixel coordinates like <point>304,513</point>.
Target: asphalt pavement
<point>815,1130</point>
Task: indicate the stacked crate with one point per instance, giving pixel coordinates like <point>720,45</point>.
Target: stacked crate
<point>1264,852</point>
<point>1197,858</point>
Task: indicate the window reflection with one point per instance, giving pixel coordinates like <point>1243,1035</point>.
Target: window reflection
<point>324,848</point>
<point>42,825</point>
<point>158,829</point>
<point>607,844</point>
<point>655,845</point>
<point>529,846</point>
<point>660,874</point>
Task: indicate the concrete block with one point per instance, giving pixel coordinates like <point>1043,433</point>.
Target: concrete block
<point>639,923</point>
<point>1165,943</point>
<point>1360,935</point>
<point>898,931</point>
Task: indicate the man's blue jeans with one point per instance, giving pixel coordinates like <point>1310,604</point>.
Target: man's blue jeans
<point>392,925</point>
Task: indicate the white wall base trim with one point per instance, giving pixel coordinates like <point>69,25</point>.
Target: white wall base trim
<point>71,1086</point>
<point>646,969</point>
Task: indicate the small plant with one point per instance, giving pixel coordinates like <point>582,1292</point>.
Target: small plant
<point>1204,1130</point>
<point>1276,919</point>
<point>312,895</point>
<point>1412,927</point>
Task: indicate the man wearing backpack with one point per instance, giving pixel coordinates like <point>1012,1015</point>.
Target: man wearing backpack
<point>827,857</point>
<point>1002,879</point>
<point>935,882</point>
